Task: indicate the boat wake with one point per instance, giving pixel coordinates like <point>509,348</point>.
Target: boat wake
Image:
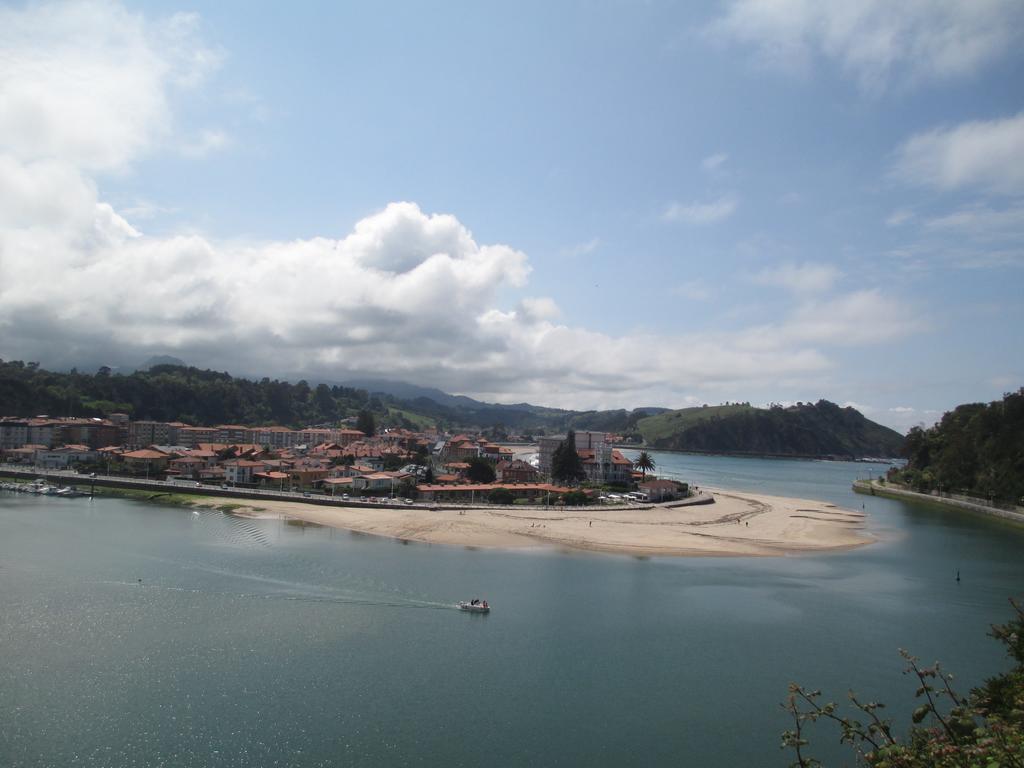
<point>323,599</point>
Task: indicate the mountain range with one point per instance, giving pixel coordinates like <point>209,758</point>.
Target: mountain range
<point>168,391</point>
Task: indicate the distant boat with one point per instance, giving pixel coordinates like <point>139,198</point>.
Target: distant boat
<point>475,606</point>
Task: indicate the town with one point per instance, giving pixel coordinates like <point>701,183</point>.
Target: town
<point>339,461</point>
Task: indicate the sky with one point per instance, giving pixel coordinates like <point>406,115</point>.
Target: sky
<point>573,204</point>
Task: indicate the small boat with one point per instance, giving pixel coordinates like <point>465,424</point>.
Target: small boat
<point>475,606</point>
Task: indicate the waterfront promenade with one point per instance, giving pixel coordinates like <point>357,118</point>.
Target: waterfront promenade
<point>888,490</point>
<point>717,523</point>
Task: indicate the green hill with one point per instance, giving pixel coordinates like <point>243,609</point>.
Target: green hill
<point>180,393</point>
<point>977,448</point>
<point>806,429</point>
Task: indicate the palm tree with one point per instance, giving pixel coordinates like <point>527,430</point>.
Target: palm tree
<point>644,462</point>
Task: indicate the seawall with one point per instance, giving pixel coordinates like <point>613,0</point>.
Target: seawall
<point>874,488</point>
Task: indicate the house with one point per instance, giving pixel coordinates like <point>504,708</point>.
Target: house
<point>26,454</point>
<point>380,481</point>
<point>516,471</point>
<point>241,471</point>
<point>146,459</point>
<point>337,485</point>
<point>271,477</point>
<point>186,467</point>
<point>63,457</point>
<point>662,490</point>
<point>461,447</point>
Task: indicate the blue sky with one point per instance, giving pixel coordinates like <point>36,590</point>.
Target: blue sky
<point>585,205</point>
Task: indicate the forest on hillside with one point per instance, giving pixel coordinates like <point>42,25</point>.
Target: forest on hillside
<point>176,393</point>
<point>804,429</point>
<point>977,448</point>
<point>173,392</point>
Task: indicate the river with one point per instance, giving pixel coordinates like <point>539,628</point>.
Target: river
<point>135,634</point>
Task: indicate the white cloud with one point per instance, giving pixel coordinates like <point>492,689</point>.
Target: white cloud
<point>695,290</point>
<point>89,82</point>
<point>406,293</point>
<point>982,222</point>
<point>1005,383</point>
<point>861,317</point>
<point>701,212</point>
<point>208,141</point>
<point>876,41</point>
<point>145,209</point>
<point>853,319</point>
<point>800,278</point>
<point>582,249</point>
<point>901,417</point>
<point>977,236</point>
<point>899,217</point>
<point>980,154</point>
<point>539,309</point>
<point>714,162</point>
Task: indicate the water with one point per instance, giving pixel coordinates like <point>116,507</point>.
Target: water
<point>255,643</point>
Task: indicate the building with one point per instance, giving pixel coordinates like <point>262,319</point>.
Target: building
<point>480,491</point>
<point>146,460</point>
<point>601,462</point>
<point>546,446</point>
<point>516,471</point>
<point>13,433</point>
<point>605,464</point>
<point>662,490</point>
<point>143,433</point>
<point>241,471</point>
<point>63,457</point>
<point>380,481</point>
<point>191,437</point>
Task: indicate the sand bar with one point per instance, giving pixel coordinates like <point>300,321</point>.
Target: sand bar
<point>736,524</point>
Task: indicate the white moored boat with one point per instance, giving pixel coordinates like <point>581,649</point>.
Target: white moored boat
<point>475,606</point>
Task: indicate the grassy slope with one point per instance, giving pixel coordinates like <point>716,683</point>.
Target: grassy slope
<point>821,429</point>
<point>666,425</point>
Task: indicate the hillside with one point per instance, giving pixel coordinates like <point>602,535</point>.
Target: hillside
<point>181,393</point>
<point>977,448</point>
<point>805,429</point>
<point>170,392</point>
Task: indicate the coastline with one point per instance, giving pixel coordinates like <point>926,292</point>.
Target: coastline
<point>724,523</point>
<point>889,491</point>
<point>737,524</point>
<point>752,455</point>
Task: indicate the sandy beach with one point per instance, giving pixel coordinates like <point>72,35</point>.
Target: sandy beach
<point>736,524</point>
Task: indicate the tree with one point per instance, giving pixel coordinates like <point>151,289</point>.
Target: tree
<point>566,465</point>
<point>366,424</point>
<point>393,461</point>
<point>428,476</point>
<point>501,496</point>
<point>480,470</point>
<point>984,729</point>
<point>644,463</point>
<point>576,499</point>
